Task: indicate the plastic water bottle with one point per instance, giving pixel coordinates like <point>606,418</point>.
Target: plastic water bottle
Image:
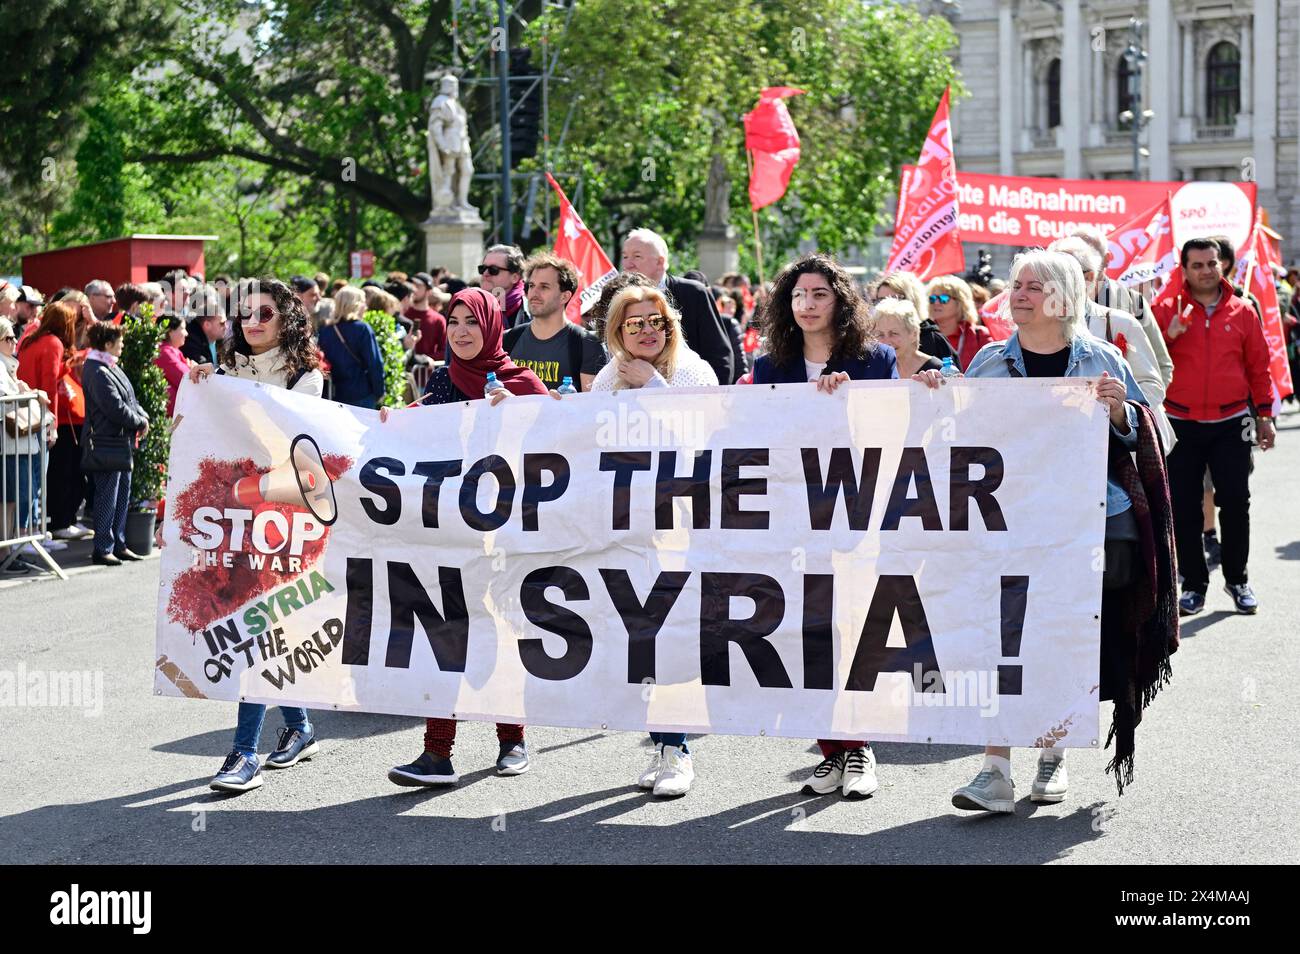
<point>492,384</point>
<point>950,370</point>
<point>566,386</point>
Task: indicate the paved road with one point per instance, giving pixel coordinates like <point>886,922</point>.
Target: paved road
<point>1216,766</point>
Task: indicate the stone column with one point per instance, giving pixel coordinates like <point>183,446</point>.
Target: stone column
<point>1264,120</point>
<point>1247,60</point>
<point>1158,69</point>
<point>1072,40</point>
<point>1007,118</point>
<point>1188,69</point>
<point>1027,122</point>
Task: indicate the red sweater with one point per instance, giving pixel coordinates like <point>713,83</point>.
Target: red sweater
<point>1220,362</point>
<point>967,342</point>
<point>40,364</point>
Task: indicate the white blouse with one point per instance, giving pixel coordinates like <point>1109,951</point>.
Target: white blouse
<point>692,372</point>
<point>269,369</point>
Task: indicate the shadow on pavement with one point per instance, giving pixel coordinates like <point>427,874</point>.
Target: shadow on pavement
<point>329,725</point>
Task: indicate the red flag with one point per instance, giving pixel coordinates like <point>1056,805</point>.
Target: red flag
<point>574,241</point>
<point>1142,249</point>
<point>995,317</point>
<point>1255,269</point>
<point>927,241</point>
<point>773,143</point>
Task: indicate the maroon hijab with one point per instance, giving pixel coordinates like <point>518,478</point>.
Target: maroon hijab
<point>471,376</point>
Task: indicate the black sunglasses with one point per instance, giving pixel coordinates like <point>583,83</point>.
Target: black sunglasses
<point>493,270</point>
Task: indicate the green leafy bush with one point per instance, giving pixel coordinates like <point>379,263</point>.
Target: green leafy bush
<point>390,348</point>
<point>140,340</point>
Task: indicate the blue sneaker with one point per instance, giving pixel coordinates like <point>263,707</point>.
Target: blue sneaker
<point>1243,597</point>
<point>1190,603</point>
<point>512,759</point>
<point>426,770</point>
<point>292,748</point>
<point>239,773</point>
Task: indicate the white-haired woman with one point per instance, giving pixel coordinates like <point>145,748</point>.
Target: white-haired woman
<point>953,309</point>
<point>643,335</point>
<point>909,288</point>
<point>1139,610</point>
<point>350,347</point>
<point>896,323</point>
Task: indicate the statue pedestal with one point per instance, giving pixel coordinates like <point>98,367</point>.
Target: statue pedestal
<point>719,252</point>
<point>453,239</point>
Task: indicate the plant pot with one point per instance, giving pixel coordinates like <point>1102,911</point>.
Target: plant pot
<point>139,531</point>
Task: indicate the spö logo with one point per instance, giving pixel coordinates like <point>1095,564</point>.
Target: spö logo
<point>76,907</point>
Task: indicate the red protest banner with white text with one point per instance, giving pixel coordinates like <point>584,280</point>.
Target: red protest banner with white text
<point>1030,212</point>
<point>926,237</point>
<point>1142,249</point>
<point>574,241</point>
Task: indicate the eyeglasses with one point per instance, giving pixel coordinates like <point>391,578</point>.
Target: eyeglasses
<point>263,315</point>
<point>493,270</point>
<point>940,299</point>
<point>634,326</point>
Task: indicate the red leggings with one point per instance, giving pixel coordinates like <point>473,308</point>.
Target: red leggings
<point>831,747</point>
<point>440,735</point>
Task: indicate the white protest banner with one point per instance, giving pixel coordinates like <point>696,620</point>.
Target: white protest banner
<point>888,562</point>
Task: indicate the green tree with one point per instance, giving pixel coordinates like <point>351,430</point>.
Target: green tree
<point>390,349</point>
<point>657,87</point>
<point>140,342</point>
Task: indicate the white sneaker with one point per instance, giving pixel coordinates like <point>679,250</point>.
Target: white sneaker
<point>1051,783</point>
<point>826,777</point>
<point>991,791</point>
<point>675,774</point>
<point>647,779</point>
<point>51,546</point>
<point>86,532</point>
<point>69,533</point>
<point>859,773</point>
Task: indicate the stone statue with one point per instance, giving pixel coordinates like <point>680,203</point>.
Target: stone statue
<point>450,166</point>
<point>717,196</point>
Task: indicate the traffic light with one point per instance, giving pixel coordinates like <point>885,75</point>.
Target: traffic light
<point>525,105</point>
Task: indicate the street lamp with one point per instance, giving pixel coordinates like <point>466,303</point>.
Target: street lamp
<point>1135,55</point>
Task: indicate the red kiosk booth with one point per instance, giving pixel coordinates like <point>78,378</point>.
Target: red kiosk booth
<point>136,258</point>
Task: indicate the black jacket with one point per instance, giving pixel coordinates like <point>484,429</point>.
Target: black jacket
<point>196,343</point>
<point>111,407</point>
<point>702,325</point>
<point>934,343</point>
<point>737,349</point>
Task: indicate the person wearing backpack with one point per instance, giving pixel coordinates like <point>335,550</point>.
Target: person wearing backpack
<point>550,345</point>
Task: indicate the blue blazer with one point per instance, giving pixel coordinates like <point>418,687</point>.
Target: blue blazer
<point>878,363</point>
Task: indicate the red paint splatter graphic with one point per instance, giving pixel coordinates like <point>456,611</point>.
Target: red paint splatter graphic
<point>202,594</point>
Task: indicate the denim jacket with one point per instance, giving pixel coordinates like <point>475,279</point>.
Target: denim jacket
<point>1089,357</point>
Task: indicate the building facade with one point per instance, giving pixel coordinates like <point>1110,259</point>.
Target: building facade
<point>1052,87</point>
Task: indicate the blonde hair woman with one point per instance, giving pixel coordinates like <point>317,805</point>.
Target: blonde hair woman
<point>352,350</point>
<point>953,309</point>
<point>644,337</point>
<point>911,289</point>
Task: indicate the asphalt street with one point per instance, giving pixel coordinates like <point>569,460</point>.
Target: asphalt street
<point>1216,761</point>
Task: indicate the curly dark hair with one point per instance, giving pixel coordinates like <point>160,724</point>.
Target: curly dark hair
<point>298,351</point>
<point>595,318</point>
<point>850,324</point>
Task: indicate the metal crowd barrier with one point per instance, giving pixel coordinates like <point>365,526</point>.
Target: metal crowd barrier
<point>23,463</point>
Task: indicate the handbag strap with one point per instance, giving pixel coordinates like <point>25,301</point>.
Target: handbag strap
<point>344,341</point>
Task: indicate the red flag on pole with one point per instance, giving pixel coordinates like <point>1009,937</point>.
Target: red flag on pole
<point>574,241</point>
<point>927,241</point>
<point>1255,271</point>
<point>773,142</point>
<point>1142,249</point>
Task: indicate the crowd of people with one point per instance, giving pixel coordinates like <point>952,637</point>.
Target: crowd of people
<point>1182,371</point>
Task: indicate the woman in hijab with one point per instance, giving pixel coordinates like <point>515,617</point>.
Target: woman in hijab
<point>474,330</point>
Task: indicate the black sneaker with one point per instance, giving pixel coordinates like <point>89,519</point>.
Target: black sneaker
<point>426,770</point>
<point>1190,603</point>
<point>1244,598</point>
<point>293,747</point>
<point>238,773</point>
<point>1213,551</point>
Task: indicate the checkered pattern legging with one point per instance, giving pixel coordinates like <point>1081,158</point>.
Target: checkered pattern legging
<point>440,735</point>
<point>112,494</point>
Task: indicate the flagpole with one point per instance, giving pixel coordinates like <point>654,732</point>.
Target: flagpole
<point>758,240</point>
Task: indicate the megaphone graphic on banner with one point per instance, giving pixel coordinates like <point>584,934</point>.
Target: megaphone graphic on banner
<point>301,480</point>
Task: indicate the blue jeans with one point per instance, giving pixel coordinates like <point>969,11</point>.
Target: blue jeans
<point>248,730</point>
<point>22,483</point>
<point>677,739</point>
<point>112,496</point>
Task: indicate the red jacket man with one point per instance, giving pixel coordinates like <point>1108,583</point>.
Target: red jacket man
<point>1219,402</point>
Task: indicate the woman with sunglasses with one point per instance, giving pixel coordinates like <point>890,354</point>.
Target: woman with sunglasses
<point>817,331</point>
<point>908,287</point>
<point>643,335</point>
<point>953,309</point>
<point>271,344</point>
<point>474,331</point>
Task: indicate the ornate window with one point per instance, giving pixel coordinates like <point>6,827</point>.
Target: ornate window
<point>1054,94</point>
<point>1222,84</point>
